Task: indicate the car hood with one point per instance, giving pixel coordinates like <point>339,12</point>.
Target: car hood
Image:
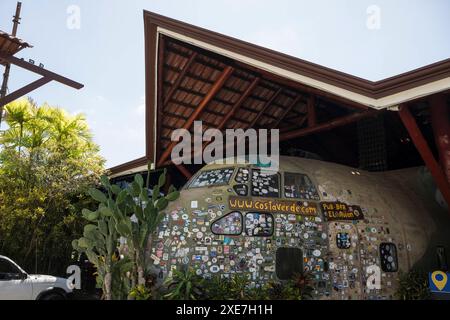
<point>50,281</point>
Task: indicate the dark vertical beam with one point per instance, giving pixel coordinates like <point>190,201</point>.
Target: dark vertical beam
<point>150,31</point>
<point>209,96</point>
<point>311,109</point>
<point>440,120</point>
<point>4,87</point>
<point>160,91</point>
<point>425,152</point>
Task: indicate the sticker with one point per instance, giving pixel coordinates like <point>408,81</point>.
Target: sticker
<point>194,204</point>
<point>214,268</point>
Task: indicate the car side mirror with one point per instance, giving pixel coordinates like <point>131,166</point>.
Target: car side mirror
<point>23,276</point>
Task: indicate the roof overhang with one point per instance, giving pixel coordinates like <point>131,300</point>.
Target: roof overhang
<point>306,79</point>
<point>381,94</point>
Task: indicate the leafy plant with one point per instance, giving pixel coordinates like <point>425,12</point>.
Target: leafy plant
<point>137,216</point>
<point>99,240</point>
<point>47,163</point>
<point>130,213</point>
<point>413,285</point>
<point>141,292</point>
<point>184,285</point>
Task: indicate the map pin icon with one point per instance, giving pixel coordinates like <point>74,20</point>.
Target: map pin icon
<point>439,279</point>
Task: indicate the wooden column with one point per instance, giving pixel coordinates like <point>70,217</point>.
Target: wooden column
<point>311,106</point>
<point>440,120</point>
<point>425,152</point>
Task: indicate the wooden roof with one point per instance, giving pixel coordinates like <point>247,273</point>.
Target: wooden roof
<point>196,74</point>
<point>10,45</point>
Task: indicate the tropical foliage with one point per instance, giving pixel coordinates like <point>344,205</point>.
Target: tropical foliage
<point>47,163</point>
<point>413,285</point>
<point>130,213</point>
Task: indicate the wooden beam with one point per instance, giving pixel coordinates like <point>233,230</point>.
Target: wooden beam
<point>41,71</point>
<point>151,84</point>
<point>265,107</point>
<point>180,78</point>
<point>440,120</point>
<point>329,125</point>
<point>286,111</point>
<point>186,173</point>
<point>24,90</point>
<point>160,91</point>
<point>311,107</point>
<point>239,103</point>
<point>300,120</point>
<point>424,151</point>
<point>209,96</point>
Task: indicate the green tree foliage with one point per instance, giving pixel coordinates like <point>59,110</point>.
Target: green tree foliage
<point>47,163</point>
<point>413,285</point>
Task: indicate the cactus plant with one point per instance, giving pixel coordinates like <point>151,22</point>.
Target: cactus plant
<point>137,217</point>
<point>99,240</point>
<point>130,213</point>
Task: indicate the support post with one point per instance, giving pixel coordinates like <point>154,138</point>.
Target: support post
<point>440,120</point>
<point>422,146</point>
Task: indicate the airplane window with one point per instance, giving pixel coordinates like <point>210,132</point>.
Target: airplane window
<point>265,184</point>
<point>297,185</point>
<point>241,189</point>
<point>343,240</point>
<point>212,178</point>
<point>388,255</point>
<point>231,224</point>
<point>242,175</point>
<point>289,261</point>
<point>258,224</point>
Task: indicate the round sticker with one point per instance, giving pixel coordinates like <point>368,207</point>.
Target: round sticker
<point>316,253</point>
<point>214,268</point>
<point>199,235</point>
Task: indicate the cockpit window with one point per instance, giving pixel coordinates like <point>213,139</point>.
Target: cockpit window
<point>231,224</point>
<point>388,255</point>
<point>212,178</point>
<point>265,183</point>
<point>242,175</point>
<point>299,186</point>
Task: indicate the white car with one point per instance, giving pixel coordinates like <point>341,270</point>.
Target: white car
<point>16,284</point>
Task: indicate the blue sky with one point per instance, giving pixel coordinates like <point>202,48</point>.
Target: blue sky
<point>107,53</point>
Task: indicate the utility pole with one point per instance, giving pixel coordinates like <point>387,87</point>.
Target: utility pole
<point>16,22</point>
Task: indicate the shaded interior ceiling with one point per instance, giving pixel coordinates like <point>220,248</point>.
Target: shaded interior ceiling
<point>253,98</point>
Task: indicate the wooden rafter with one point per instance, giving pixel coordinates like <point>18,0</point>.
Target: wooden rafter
<point>226,73</point>
<point>329,125</point>
<point>180,78</point>
<point>264,108</point>
<point>239,103</point>
<point>286,111</point>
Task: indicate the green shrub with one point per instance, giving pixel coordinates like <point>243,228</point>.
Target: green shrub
<point>413,285</point>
